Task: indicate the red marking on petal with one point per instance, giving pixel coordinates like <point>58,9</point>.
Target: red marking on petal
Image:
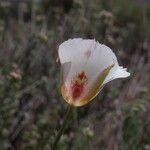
<point>88,53</point>
<point>78,85</point>
<point>77,90</point>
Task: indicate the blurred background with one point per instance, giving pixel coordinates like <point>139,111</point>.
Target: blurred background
<point>31,106</point>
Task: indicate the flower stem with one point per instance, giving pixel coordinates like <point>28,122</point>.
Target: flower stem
<point>64,125</point>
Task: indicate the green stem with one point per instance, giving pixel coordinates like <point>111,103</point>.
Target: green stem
<point>64,125</point>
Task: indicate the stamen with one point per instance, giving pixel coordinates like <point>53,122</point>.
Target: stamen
<point>81,76</point>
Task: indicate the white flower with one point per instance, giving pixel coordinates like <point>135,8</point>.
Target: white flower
<point>87,66</point>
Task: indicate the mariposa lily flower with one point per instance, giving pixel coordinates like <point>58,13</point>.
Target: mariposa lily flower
<point>87,66</point>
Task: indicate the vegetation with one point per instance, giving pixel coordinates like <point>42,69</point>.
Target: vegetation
<point>31,106</point>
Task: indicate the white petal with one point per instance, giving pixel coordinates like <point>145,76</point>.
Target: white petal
<point>68,49</point>
<point>120,72</point>
<point>102,57</point>
<point>65,69</point>
<point>75,52</point>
